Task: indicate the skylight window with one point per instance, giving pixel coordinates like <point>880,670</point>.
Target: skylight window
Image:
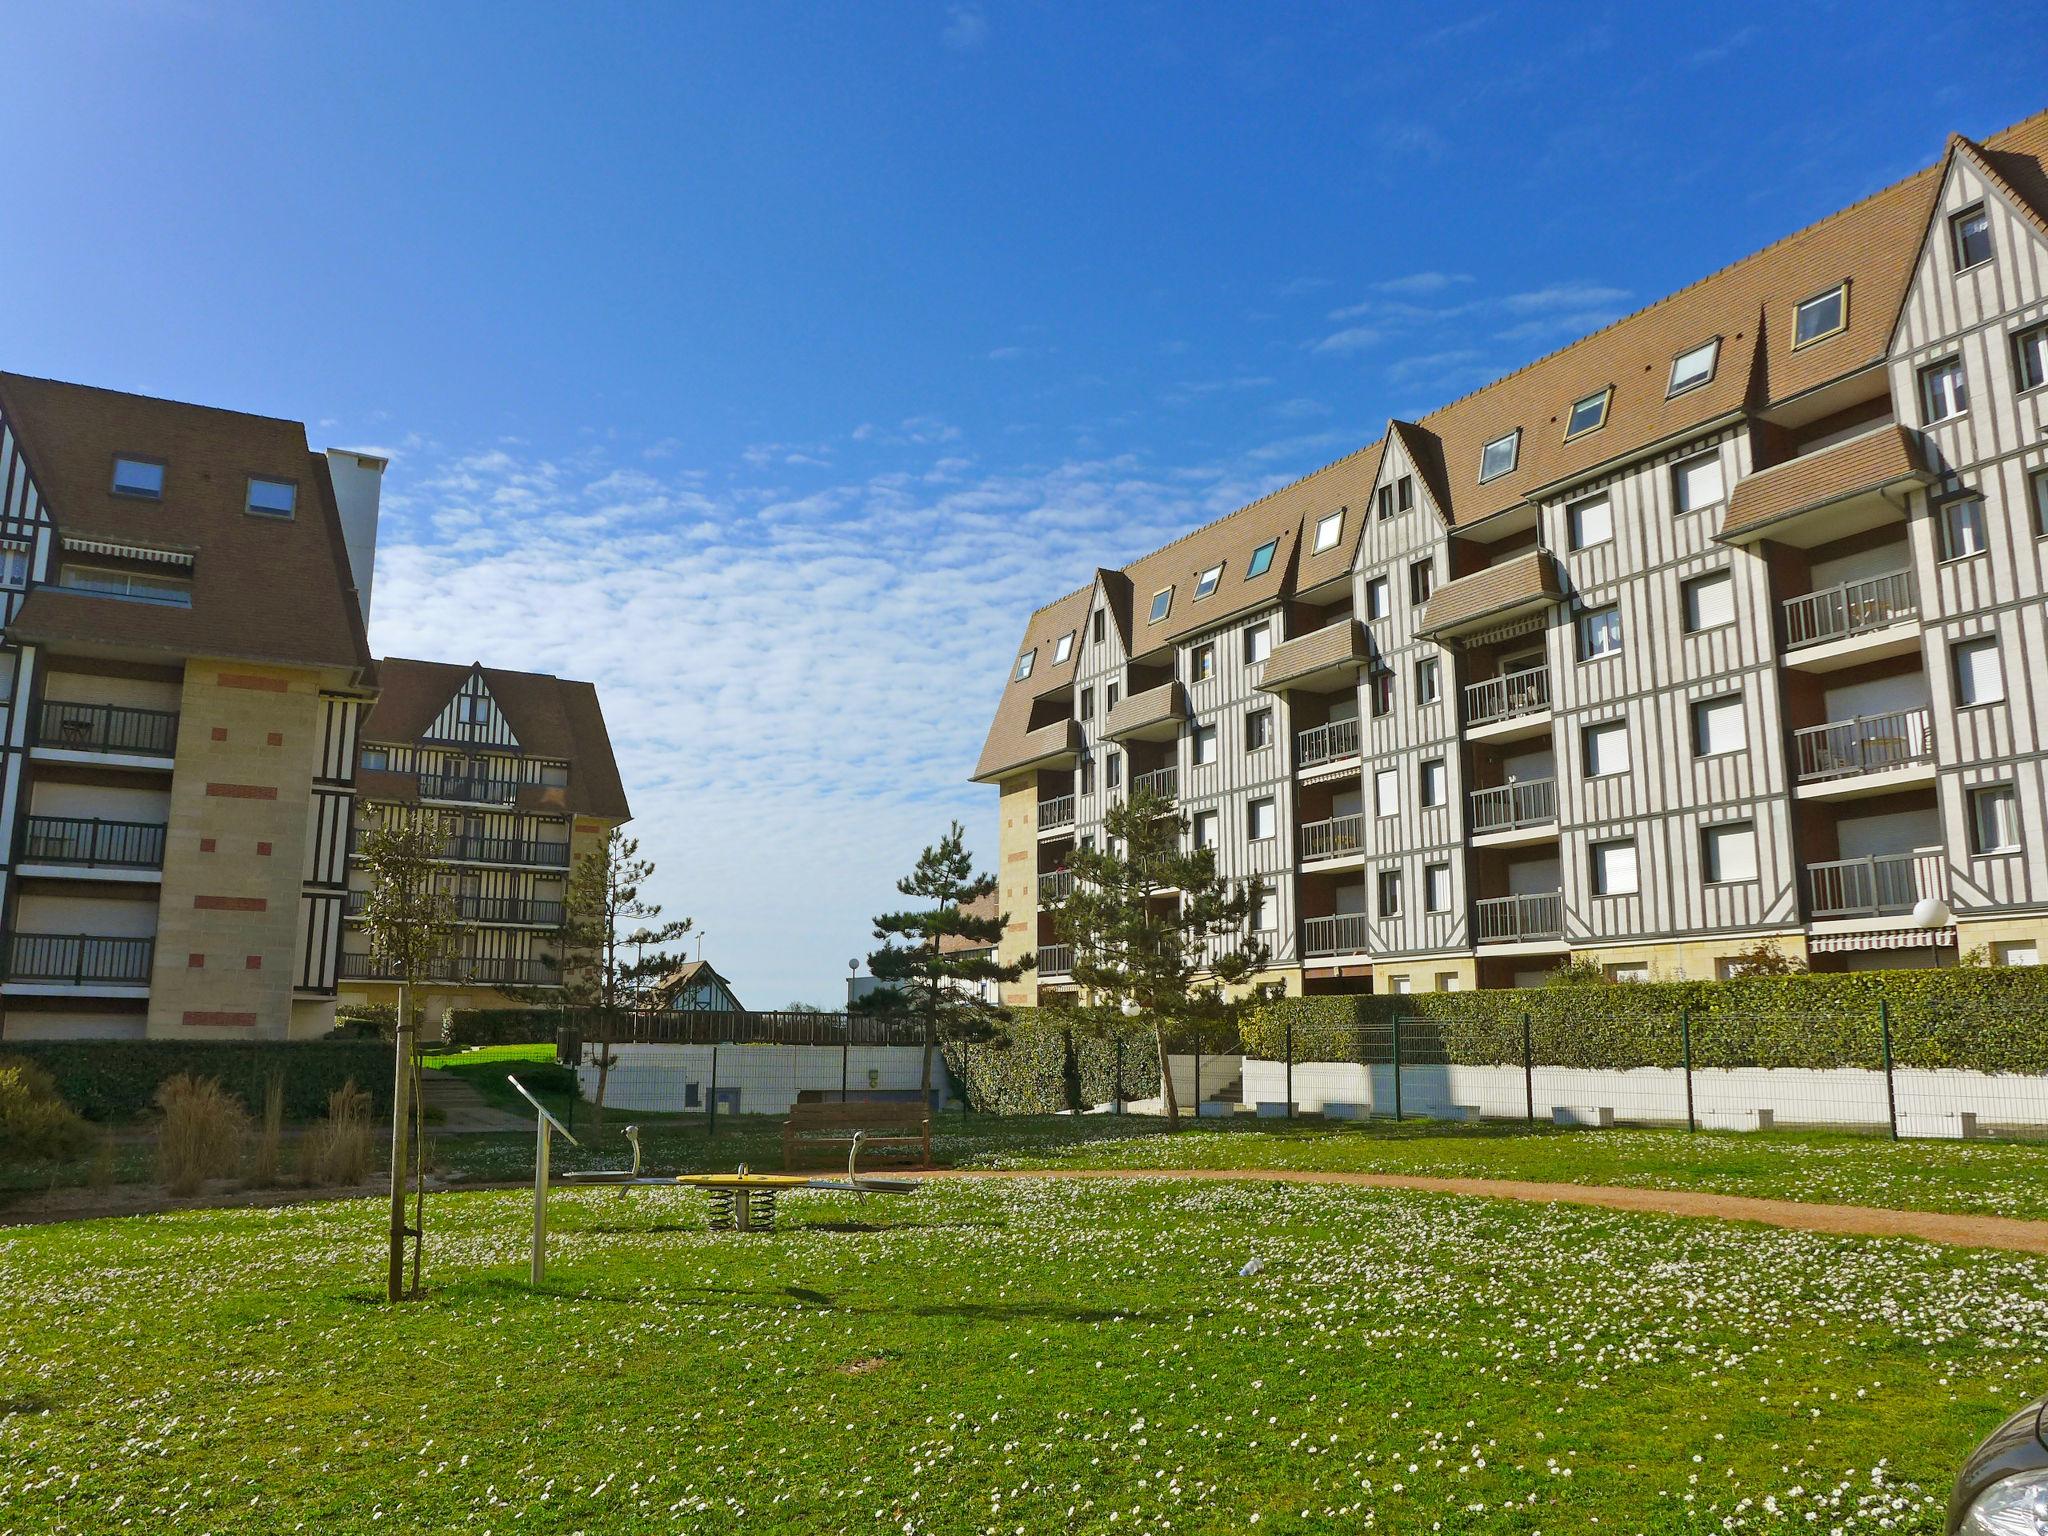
<point>1691,369</point>
<point>272,498</point>
<point>1064,649</point>
<point>1821,316</point>
<point>1262,559</point>
<point>1498,457</point>
<point>1588,415</point>
<point>1328,531</point>
<point>139,477</point>
<point>1206,583</point>
<point>1024,664</point>
<point>1162,601</point>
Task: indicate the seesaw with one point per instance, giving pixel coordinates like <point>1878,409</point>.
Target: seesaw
<point>740,1202</point>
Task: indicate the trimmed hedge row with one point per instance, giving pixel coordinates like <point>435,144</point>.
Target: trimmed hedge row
<point>1055,1060</point>
<point>118,1079</point>
<point>502,1026</point>
<point>1991,1019</point>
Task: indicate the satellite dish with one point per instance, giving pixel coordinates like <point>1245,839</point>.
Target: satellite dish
<point>1931,912</point>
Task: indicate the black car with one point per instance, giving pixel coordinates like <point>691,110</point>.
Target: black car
<point>2003,1487</point>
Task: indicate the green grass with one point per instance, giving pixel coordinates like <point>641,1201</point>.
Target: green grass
<point>1011,1356</point>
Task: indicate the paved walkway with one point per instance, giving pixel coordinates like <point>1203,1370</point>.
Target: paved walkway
<point>464,1111</point>
<point>1840,1220</point>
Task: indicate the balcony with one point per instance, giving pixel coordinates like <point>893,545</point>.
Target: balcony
<point>501,911</point>
<point>1056,813</point>
<point>1341,837</point>
<point>1343,934</point>
<point>1327,660</point>
<point>1855,622</point>
<point>1517,588</point>
<point>506,850</point>
<point>87,842</point>
<point>1321,744</point>
<point>1157,714</point>
<point>79,960</point>
<point>468,788</point>
<point>457,972</point>
<point>1010,750</point>
<point>1884,885</point>
<point>1055,886</point>
<point>1163,782</point>
<point>108,730</point>
<point>1510,706</point>
<point>1830,494</point>
<point>1055,959</point>
<point>1524,812</point>
<point>1520,919</point>
<point>1869,755</point>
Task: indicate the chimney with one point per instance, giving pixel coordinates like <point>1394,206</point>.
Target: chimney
<point>358,482</point>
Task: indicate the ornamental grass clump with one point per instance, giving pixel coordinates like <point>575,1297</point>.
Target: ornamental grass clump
<point>35,1122</point>
<point>338,1149</point>
<point>265,1158</point>
<point>201,1134</point>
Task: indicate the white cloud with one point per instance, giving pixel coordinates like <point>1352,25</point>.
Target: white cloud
<point>1354,338</point>
<point>966,29</point>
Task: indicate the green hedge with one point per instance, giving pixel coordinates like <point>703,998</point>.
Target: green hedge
<point>1055,1060</point>
<point>1988,1019</point>
<point>117,1079</point>
<point>502,1026</point>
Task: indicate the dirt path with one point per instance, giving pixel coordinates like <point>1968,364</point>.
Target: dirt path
<point>1840,1220</point>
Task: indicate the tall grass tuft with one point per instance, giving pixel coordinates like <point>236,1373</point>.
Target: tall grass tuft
<point>201,1134</point>
<point>35,1122</point>
<point>338,1149</point>
<point>263,1162</point>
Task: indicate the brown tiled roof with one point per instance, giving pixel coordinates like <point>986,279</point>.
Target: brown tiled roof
<point>1527,579</point>
<point>988,907</point>
<point>552,717</point>
<point>1169,701</point>
<point>263,588</point>
<point>1886,456</point>
<point>1009,736</point>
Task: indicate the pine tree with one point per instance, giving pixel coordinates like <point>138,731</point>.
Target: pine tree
<point>1155,930</point>
<point>921,977</point>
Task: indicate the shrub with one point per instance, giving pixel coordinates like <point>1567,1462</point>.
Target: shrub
<point>201,1134</point>
<point>1055,1059</point>
<point>338,1149</point>
<point>35,1122</point>
<point>502,1026</point>
<point>263,1164</point>
<point>117,1080</point>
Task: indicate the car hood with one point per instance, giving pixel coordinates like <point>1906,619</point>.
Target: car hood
<point>2020,1444</point>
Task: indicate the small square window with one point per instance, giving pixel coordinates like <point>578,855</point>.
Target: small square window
<point>1203,663</point>
<point>1421,578</point>
<point>1822,316</point>
<point>1383,498</point>
<point>1380,683</point>
<point>1691,369</point>
<point>1404,493</point>
<point>1436,897</point>
<point>1434,782</point>
<point>1588,415</point>
<point>1970,233</point>
<point>1626,971</point>
<point>1377,602</point>
<point>1390,893</point>
<point>139,477</point>
<point>1162,601</point>
<point>1963,529</point>
<point>1697,482</point>
<point>1429,684</point>
<point>1206,583</point>
<point>1386,792</point>
<point>1204,745</point>
<point>1589,522</point>
<point>1498,457</point>
<point>1261,821</point>
<point>1718,727</point>
<point>1728,852</point>
<point>1614,868</point>
<point>1943,393</point>
<point>1258,729</point>
<point>273,498</point>
<point>376,759</point>
<point>1600,633</point>
<point>1262,559</point>
<point>1994,819</point>
<point>1025,664</point>
<point>1979,674</point>
<point>2030,357</point>
<point>1063,649</point>
<point>1606,747</point>
<point>1328,531</point>
<point>1709,601</point>
<point>1258,644</point>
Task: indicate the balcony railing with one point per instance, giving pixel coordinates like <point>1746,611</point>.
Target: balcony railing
<point>107,728</point>
<point>469,788</point>
<point>1055,886</point>
<point>523,911</point>
<point>90,841</point>
<point>1055,959</point>
<point>1164,782</point>
<point>1885,885</point>
<point>1333,838</point>
<point>1508,696</point>
<point>1326,743</point>
<point>505,850</point>
<point>1517,919</point>
<point>1866,744</point>
<point>483,973</point>
<point>1853,608</point>
<point>79,959</point>
<point>1056,812</point>
<point>1344,934</point>
<point>1506,807</point>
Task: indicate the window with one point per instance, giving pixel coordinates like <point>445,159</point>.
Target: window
<point>1113,770</point>
<point>1429,682</point>
<point>132,585</point>
<point>1498,457</point>
<point>2016,952</point>
<point>376,759</point>
<point>1162,600</point>
<point>1980,678</point>
<point>1627,970</point>
<point>1328,531</point>
<point>1421,577</point>
<point>2030,358</point>
<point>1097,627</point>
<point>2037,489</point>
<point>139,477</point>
<point>1717,726</point>
<point>1433,781</point>
<point>1258,729</point>
<point>1086,709</point>
<point>1262,559</point>
<point>1261,824</point>
<point>272,498</point>
<point>1963,532</point>
<point>1205,829</point>
<point>472,709</point>
<point>1600,633</point>
<point>1436,895</point>
<point>1614,868</point>
<point>1377,602</point>
<point>1404,493</point>
<point>1691,369</point>
<point>1206,583</point>
<point>1258,644</point>
<point>1024,664</point>
<point>1205,744</point>
<point>1202,665</point>
<point>1970,237</point>
<point>1401,985</point>
<point>1384,499</point>
<point>1390,893</point>
<point>1386,792</point>
<point>1696,482</point>
<point>1588,415</point>
<point>1709,601</point>
<point>1606,747</point>
<point>13,566</point>
<point>1064,648</point>
<point>1087,776</point>
<point>1943,395</point>
<point>1994,819</point>
<point>1589,522</point>
<point>1447,981</point>
<point>1381,682</point>
<point>1821,316</point>
<point>1111,692</point>
<point>1265,907</point>
<point>1728,852</point>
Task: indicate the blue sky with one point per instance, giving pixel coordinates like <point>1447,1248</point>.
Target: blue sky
<point>766,364</point>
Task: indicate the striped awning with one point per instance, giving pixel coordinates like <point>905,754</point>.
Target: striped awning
<point>1890,938</point>
<point>128,551</point>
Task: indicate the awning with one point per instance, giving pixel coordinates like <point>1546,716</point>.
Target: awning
<point>1891,938</point>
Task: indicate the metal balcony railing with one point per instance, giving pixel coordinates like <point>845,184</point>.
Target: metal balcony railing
<point>107,728</point>
<point>1508,696</point>
<point>505,850</point>
<point>79,959</point>
<point>469,788</point>
<point>1333,838</point>
<point>1055,886</point>
<point>1344,934</point>
<point>1056,812</point>
<point>1516,919</point>
<point>523,911</point>
<point>1885,885</point>
<point>459,972</point>
<point>1866,744</point>
<point>1506,807</point>
<point>92,842</point>
<point>1326,743</point>
<point>1055,959</point>
<point>1852,608</point>
<point>1164,782</point>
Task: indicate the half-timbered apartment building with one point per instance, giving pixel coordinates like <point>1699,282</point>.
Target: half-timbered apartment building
<point>1721,626</point>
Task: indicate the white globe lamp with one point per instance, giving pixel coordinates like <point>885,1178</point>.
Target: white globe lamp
<point>1931,912</point>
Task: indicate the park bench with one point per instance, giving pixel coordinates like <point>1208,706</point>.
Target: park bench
<point>833,1125</point>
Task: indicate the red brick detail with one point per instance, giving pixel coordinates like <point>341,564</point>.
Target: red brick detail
<point>277,738</point>
<point>195,962</point>
<point>253,963</point>
<point>260,684</point>
<point>206,845</point>
<point>220,733</point>
<point>196,1016</point>
<point>263,849</point>
<point>243,791</point>
<point>231,903</point>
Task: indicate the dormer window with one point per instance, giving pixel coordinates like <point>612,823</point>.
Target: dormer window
<point>139,477</point>
<point>272,498</point>
<point>1207,582</point>
<point>1588,415</point>
<point>1691,369</point>
<point>1822,316</point>
<point>1262,559</point>
<point>1328,531</point>
<point>1024,664</point>
<point>1064,648</point>
<point>1162,601</point>
<point>1970,237</point>
<point>1498,457</point>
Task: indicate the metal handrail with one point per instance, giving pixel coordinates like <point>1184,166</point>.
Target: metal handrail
<point>1164,782</point>
<point>1866,744</point>
<point>1056,812</point>
<point>1849,608</point>
<point>79,958</point>
<point>1055,959</point>
<point>1510,919</point>
<point>469,788</point>
<point>94,842</point>
<point>1325,743</point>
<point>1494,699</point>
<point>1881,885</point>
<point>107,728</point>
<point>1334,837</point>
<point>735,1026</point>
<point>505,850</point>
<point>1342,934</point>
<point>1055,885</point>
<point>1506,807</point>
<point>458,972</point>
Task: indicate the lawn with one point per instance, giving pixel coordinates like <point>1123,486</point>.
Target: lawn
<point>1014,1356</point>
